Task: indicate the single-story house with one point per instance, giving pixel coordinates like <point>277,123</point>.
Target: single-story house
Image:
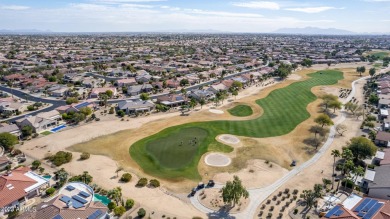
<point>12,107</point>
<point>379,187</point>
<point>75,107</point>
<point>57,90</point>
<point>201,94</point>
<point>382,139</point>
<point>172,100</point>
<point>126,82</point>
<point>96,91</point>
<point>138,89</point>
<point>4,162</point>
<point>10,128</point>
<point>134,107</point>
<point>40,122</point>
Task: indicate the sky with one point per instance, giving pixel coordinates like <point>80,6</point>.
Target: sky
<point>250,16</point>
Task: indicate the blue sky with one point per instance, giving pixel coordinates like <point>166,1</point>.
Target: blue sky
<point>169,15</point>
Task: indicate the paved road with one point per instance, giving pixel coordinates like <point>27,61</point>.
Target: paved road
<point>258,195</point>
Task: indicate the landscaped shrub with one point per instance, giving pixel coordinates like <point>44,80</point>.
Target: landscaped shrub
<point>61,157</point>
<point>50,191</point>
<point>141,213</point>
<point>111,205</point>
<point>129,203</point>
<point>295,211</point>
<point>142,182</point>
<point>154,183</point>
<point>271,208</point>
<point>84,156</point>
<point>126,177</point>
<point>287,190</point>
<point>295,191</point>
<point>119,210</point>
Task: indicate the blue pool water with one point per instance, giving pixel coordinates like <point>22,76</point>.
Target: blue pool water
<point>47,176</point>
<point>56,129</point>
<point>101,198</point>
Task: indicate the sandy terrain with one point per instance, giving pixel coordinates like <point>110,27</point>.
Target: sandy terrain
<point>212,199</point>
<point>216,111</point>
<point>228,139</point>
<point>217,160</point>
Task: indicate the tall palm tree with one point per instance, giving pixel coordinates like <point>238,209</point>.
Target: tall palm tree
<point>335,153</point>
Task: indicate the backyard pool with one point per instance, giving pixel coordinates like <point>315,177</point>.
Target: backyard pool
<point>101,198</point>
<point>47,177</point>
<point>58,128</point>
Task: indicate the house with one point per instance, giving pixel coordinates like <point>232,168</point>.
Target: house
<point>382,139</point>
<point>12,129</point>
<point>75,107</point>
<point>215,88</point>
<point>355,207</point>
<point>91,82</point>
<point>173,83</point>
<point>4,162</point>
<point>172,100</point>
<point>40,122</point>
<point>74,200</point>
<point>12,107</point>
<point>143,77</point>
<point>138,89</point>
<point>96,91</point>
<point>384,101</point>
<point>201,94</point>
<point>383,113</point>
<point>57,90</point>
<point>135,107</point>
<point>379,186</point>
<point>20,185</point>
<point>126,82</point>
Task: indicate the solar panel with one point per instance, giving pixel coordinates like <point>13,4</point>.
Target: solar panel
<point>361,213</point>
<point>84,194</point>
<point>365,201</point>
<point>65,199</point>
<point>76,204</point>
<point>70,188</point>
<point>331,212</point>
<point>79,199</point>
<point>369,205</point>
<point>373,211</point>
<point>57,217</point>
<point>339,212</point>
<point>95,214</point>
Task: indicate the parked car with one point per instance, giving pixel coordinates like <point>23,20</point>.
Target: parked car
<point>211,183</point>
<point>193,192</point>
<point>200,186</point>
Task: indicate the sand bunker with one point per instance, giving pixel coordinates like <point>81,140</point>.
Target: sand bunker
<point>229,139</point>
<point>217,160</point>
<point>215,111</point>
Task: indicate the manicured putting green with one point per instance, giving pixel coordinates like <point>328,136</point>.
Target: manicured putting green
<point>241,111</point>
<point>177,149</point>
<point>283,108</point>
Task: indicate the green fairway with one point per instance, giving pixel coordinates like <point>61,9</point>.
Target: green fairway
<point>241,111</point>
<point>381,55</point>
<point>284,109</point>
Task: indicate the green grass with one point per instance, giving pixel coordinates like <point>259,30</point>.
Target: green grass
<point>241,111</point>
<point>284,109</point>
<point>380,55</point>
<point>46,133</point>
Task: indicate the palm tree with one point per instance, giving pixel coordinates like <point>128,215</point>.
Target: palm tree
<point>358,171</point>
<point>335,153</point>
<point>346,155</point>
<point>202,102</point>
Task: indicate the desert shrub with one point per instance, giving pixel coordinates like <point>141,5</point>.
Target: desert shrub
<point>84,156</point>
<point>61,157</point>
<point>50,191</point>
<point>141,213</point>
<point>142,182</point>
<point>111,205</point>
<point>154,183</point>
<point>126,177</point>
<point>295,211</point>
<point>119,210</point>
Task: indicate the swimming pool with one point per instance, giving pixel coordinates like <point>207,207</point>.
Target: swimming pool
<point>101,198</point>
<point>47,177</point>
<point>58,128</point>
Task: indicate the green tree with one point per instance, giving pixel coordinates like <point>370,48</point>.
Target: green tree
<point>144,96</point>
<point>327,99</point>
<point>316,129</point>
<point>142,182</point>
<point>335,105</point>
<point>184,82</point>
<point>309,197</point>
<point>202,102</point>
<point>129,204</point>
<point>119,210</point>
<point>154,183</point>
<point>27,131</point>
<point>237,85</point>
<point>323,120</point>
<point>307,62</point>
<point>8,140</point>
<point>335,153</point>
<point>372,72</point>
<point>141,213</point>
<point>351,107</point>
<point>126,177</point>
<point>232,192</point>
<point>121,113</point>
<point>235,93</point>
<point>109,93</point>
<point>111,206</point>
<point>86,111</point>
<point>362,148</point>
<point>50,191</point>
<point>71,100</point>
<point>283,71</point>
<point>35,164</point>
<point>84,156</point>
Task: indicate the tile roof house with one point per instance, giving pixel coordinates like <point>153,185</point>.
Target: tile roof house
<point>382,139</point>
<point>126,82</point>
<point>96,91</point>
<point>172,100</point>
<point>74,200</point>
<point>10,128</point>
<point>40,122</point>
<point>75,107</point>
<point>19,185</point>
<point>138,89</point>
<point>4,162</point>
<point>134,107</point>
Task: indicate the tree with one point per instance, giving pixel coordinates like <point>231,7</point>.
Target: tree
<point>335,105</point>
<point>27,131</point>
<point>323,120</point>
<point>142,182</point>
<point>309,197</point>
<point>347,156</point>
<point>327,99</point>
<point>35,164</point>
<point>61,176</point>
<point>315,142</point>
<point>307,62</point>
<point>50,191</point>
<point>341,128</point>
<point>78,117</point>
<point>316,129</point>
<point>111,206</point>
<point>361,70</point>
<point>335,153</point>
<point>184,82</point>
<point>115,194</point>
<point>126,177</point>
<point>237,85</point>
<point>109,93</point>
<point>202,102</point>
<point>372,72</point>
<point>233,191</point>
<point>362,148</point>
<point>84,156</point>
<point>154,183</point>
<point>373,99</point>
<point>129,204</point>
<point>193,103</point>
<point>71,100</point>
<point>86,111</point>
<point>8,140</point>
<point>351,107</point>
<point>141,213</point>
<point>121,113</point>
<point>144,96</point>
<point>119,210</point>
<point>283,70</point>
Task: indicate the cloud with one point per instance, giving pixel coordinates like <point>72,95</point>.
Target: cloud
<point>311,10</point>
<point>125,1</point>
<point>222,13</point>
<point>14,7</point>
<point>377,0</point>
<point>258,5</point>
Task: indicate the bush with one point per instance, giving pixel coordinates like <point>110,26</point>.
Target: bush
<point>129,204</point>
<point>142,182</point>
<point>50,191</point>
<point>371,166</point>
<point>271,208</point>
<point>111,205</point>
<point>61,157</point>
<point>111,111</point>
<point>295,211</point>
<point>141,213</point>
<point>295,191</point>
<point>126,177</point>
<point>36,164</point>
<point>287,190</point>
<point>154,183</point>
<point>84,156</point>
<point>119,210</point>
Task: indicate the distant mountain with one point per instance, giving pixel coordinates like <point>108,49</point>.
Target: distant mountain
<point>24,31</point>
<point>314,31</point>
<point>192,31</point>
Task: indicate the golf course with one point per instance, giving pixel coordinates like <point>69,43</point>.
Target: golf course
<point>241,111</point>
<point>174,153</point>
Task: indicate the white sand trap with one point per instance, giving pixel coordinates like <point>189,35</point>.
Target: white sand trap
<point>216,111</point>
<point>229,139</point>
<point>217,160</point>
